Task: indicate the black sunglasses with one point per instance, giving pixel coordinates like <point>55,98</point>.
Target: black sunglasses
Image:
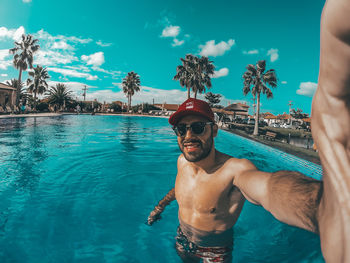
<point>197,128</point>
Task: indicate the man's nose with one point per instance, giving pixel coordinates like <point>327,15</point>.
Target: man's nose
<point>188,133</point>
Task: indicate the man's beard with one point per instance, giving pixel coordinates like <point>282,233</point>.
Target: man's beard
<point>197,155</point>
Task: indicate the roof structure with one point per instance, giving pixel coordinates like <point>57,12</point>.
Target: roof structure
<point>6,87</point>
<point>168,107</point>
<point>284,116</point>
<point>307,120</point>
<point>237,107</point>
<point>243,105</point>
<point>270,117</point>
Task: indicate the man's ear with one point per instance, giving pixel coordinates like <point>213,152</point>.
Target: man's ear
<point>215,130</point>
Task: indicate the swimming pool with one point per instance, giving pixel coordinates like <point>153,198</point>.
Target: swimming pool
<point>79,189</point>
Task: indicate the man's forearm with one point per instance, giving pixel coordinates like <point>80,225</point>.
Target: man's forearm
<point>159,208</point>
<point>170,196</point>
<point>294,199</point>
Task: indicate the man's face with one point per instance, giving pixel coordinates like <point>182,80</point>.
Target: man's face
<point>193,146</point>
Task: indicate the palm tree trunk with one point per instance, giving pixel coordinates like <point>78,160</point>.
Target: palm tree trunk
<point>35,101</point>
<point>195,94</point>
<point>256,126</point>
<point>18,88</point>
<point>129,103</point>
<point>188,93</point>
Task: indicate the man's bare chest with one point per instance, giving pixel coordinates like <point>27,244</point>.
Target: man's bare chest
<point>208,193</point>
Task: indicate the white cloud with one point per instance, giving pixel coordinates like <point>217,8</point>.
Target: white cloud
<point>73,73</point>
<point>101,44</point>
<point>212,49</point>
<point>220,73</point>
<point>307,89</point>
<point>284,82</point>
<point>171,31</point>
<point>177,42</point>
<point>14,34</point>
<point>53,58</point>
<point>27,1</point>
<point>96,59</point>
<point>41,34</point>
<point>114,73</point>
<point>79,67</point>
<point>75,87</point>
<point>251,52</point>
<point>4,53</point>
<point>4,75</point>
<point>4,63</point>
<point>61,45</point>
<point>273,53</point>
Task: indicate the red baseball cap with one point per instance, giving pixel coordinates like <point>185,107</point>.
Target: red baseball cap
<point>192,106</point>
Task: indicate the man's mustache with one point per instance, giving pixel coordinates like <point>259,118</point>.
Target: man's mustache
<point>192,141</point>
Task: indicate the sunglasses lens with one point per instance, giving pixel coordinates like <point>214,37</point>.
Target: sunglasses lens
<point>181,129</point>
<point>198,127</point>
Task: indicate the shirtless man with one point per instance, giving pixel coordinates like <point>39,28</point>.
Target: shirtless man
<point>327,210</point>
<point>211,188</point>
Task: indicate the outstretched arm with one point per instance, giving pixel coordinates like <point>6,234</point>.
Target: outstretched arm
<point>331,130</point>
<point>289,196</point>
<point>158,209</point>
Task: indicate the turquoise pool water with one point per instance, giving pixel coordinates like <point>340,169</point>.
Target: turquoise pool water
<point>79,189</point>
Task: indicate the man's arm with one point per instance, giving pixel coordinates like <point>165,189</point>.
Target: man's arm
<point>289,196</point>
<point>331,130</point>
<point>158,209</point>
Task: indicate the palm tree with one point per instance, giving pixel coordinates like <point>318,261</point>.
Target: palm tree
<point>131,84</point>
<point>298,114</point>
<point>195,73</point>
<point>23,56</point>
<point>38,84</point>
<point>256,77</point>
<point>213,98</point>
<point>59,96</point>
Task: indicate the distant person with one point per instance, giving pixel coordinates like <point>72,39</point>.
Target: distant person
<point>211,188</point>
<point>331,130</point>
<point>23,108</point>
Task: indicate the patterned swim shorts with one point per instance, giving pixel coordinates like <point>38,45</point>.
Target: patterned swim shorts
<point>188,250</point>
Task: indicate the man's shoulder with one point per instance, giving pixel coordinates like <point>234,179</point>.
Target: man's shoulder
<point>181,160</point>
<point>239,165</point>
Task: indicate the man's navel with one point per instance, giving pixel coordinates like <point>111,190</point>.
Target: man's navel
<point>212,210</point>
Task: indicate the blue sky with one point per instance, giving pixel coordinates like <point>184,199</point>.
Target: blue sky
<point>96,43</point>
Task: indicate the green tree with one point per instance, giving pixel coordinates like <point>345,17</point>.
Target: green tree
<point>116,107</point>
<point>298,114</point>
<point>131,84</point>
<point>22,95</point>
<point>23,57</point>
<point>37,85</point>
<point>256,81</point>
<point>213,98</point>
<point>195,73</point>
<point>59,96</point>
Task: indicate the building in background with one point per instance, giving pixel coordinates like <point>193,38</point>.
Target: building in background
<point>7,95</point>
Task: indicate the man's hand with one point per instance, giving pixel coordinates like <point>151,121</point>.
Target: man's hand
<point>154,216</point>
